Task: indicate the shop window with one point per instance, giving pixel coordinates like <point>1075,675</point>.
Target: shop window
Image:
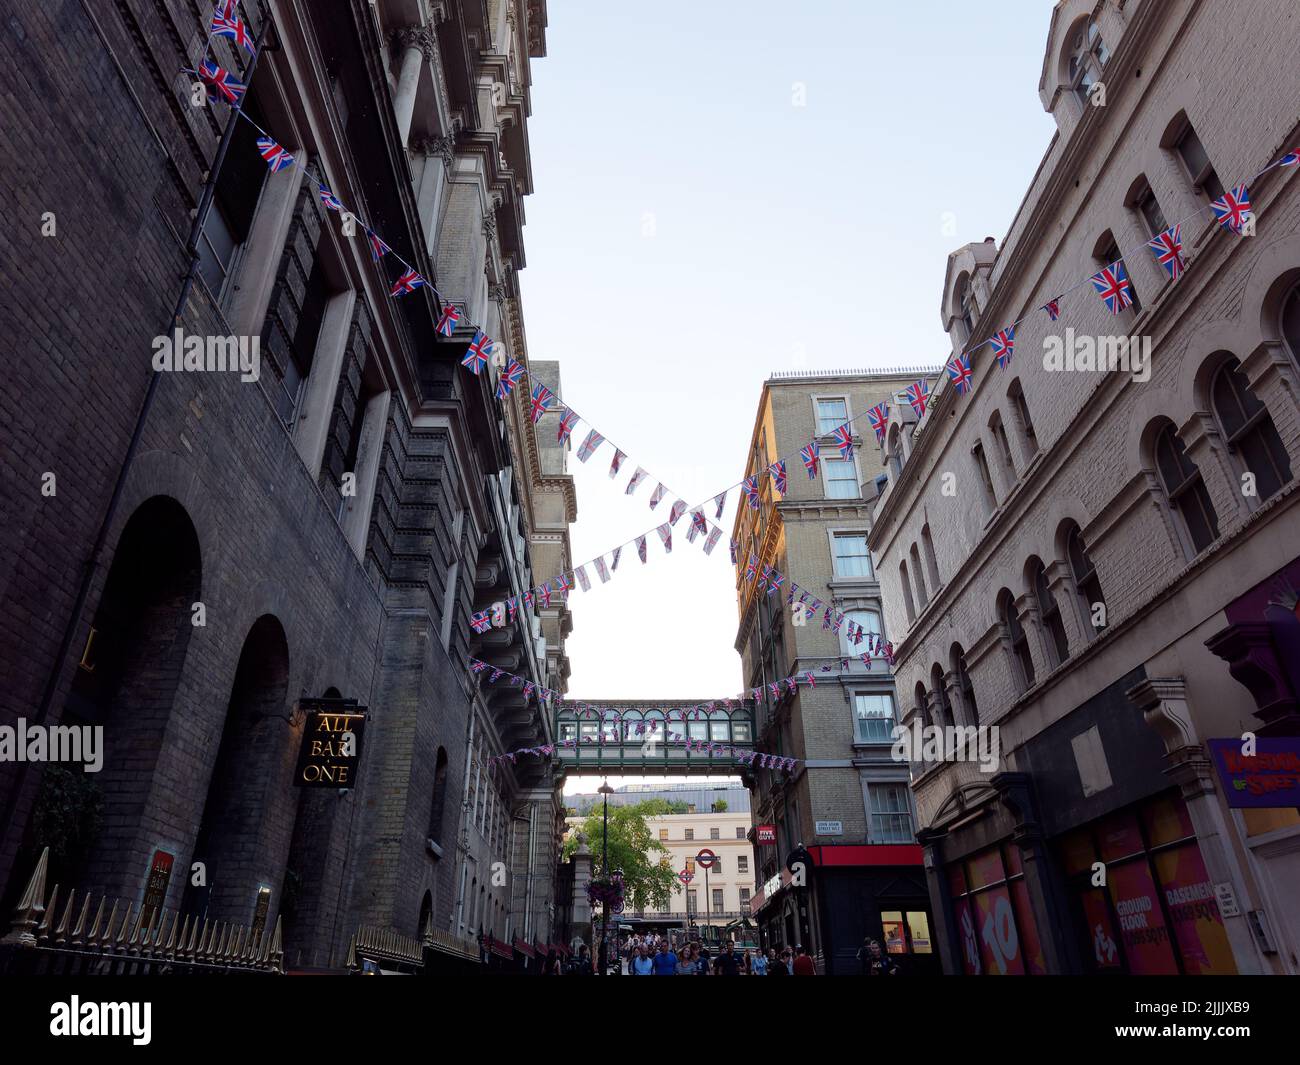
<point>906,931</point>
<point>995,923</point>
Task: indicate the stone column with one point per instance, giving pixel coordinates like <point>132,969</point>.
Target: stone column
<point>1222,481</point>
<point>415,45</point>
<point>1060,584</point>
<point>1274,380</point>
<point>1163,703</point>
<point>944,932</point>
<point>1027,607</point>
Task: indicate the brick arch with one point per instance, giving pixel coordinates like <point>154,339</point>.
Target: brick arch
<point>1275,270</point>
<point>1202,359</point>
<point>1162,404</point>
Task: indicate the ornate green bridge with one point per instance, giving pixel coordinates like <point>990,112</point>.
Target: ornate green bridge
<point>631,737</point>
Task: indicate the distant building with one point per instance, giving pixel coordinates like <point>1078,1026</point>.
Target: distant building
<point>699,798</point>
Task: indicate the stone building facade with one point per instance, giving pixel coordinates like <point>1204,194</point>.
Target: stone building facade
<point>847,805</point>
<point>1084,561</point>
<point>240,494</point>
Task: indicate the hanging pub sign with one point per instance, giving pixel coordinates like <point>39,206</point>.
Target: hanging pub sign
<point>766,833</point>
<point>331,743</point>
<point>155,888</point>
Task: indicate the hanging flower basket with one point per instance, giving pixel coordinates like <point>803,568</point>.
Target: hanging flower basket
<point>607,890</point>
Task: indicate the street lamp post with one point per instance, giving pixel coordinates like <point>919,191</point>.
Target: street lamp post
<point>603,954</point>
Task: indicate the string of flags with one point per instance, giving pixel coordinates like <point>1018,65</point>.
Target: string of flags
<point>743,755</point>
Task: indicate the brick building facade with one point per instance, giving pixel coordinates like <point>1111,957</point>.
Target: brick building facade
<point>1095,564</point>
<point>239,494</point>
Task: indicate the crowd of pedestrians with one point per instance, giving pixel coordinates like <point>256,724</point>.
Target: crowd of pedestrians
<point>658,955</point>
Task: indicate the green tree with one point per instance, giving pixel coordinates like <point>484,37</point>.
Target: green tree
<point>720,806</point>
<point>648,879</point>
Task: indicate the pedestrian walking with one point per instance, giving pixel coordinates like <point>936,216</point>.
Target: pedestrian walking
<point>665,960</point>
<point>686,963</point>
<point>876,962</point>
<point>757,963</point>
<point>803,963</point>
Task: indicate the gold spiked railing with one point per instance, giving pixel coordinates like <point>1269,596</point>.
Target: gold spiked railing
<point>116,941</point>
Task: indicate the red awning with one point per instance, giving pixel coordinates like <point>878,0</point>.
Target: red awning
<point>525,949</point>
<point>495,946</point>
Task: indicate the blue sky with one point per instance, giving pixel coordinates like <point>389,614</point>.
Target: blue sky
<point>694,228</point>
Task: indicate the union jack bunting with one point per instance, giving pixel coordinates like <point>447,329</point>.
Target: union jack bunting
<point>447,323</point>
<point>544,595</point>
<point>482,621</point>
<point>750,488</point>
<point>476,666</point>
<point>328,199</point>
<point>734,545</point>
<point>1002,342</point>
<point>1232,209</point>
<point>222,85</point>
<point>779,481</point>
<point>866,658</point>
<point>720,499</point>
<point>764,576</point>
<point>512,605</point>
<point>409,282</point>
<point>775,689</point>
<point>698,523</point>
<point>666,535</point>
<point>1113,286</point>
<point>751,570</point>
<point>1290,159</point>
<point>791,684</point>
<point>1168,250</point>
<point>510,376</point>
<point>678,509</point>
<point>583,579</point>
<point>637,478</point>
<point>476,355</point>
<point>528,598</point>
<point>377,246</point>
<point>816,605</point>
<point>839,620</point>
<point>602,571</point>
<point>496,675</point>
<point>775,581</point>
<point>568,422</point>
<point>790,597</point>
<point>227,23</point>
<point>617,463</point>
<point>657,495</point>
<point>714,535</point>
<point>613,562</point>
<point>528,692</point>
<point>959,373</point>
<point>694,528</point>
<point>1053,308</point>
<point>593,441</point>
<point>276,157</point>
<point>878,416</point>
<point>810,455</point>
<point>812,681</point>
<point>844,440</point>
<point>826,618</point>
<point>918,394</point>
<point>640,547</point>
<point>542,397</point>
<point>563,585</point>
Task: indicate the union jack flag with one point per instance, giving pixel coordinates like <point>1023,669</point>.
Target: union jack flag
<point>709,544</point>
<point>810,454</point>
<point>764,576</point>
<point>839,620</point>
<point>640,547</point>
<point>1053,308</point>
<point>779,481</point>
<point>616,463</point>
<point>734,545</point>
<point>1168,249</point>
<point>794,588</point>
<point>377,246</point>
<point>775,581</point>
<point>1290,159</point>
<point>1002,342</point>
<point>843,437</point>
<point>329,199</point>
<point>751,570</point>
<point>1233,209</point>
<point>562,584</point>
<point>276,157</point>
<point>476,666</point>
<point>568,422</point>
<point>878,416</point>
<point>918,394</point>
<point>476,355</point>
<point>750,488</point>
<point>544,595</point>
<point>657,495</point>
<point>613,562</point>
<point>698,525</point>
<point>812,681</point>
<point>636,480</point>
<point>959,373</point>
<point>482,621</point>
<point>583,579</point>
<point>666,535</point>
<point>222,85</point>
<point>679,508</point>
<point>588,448</point>
<point>528,598</point>
<point>541,403</point>
<point>409,282</point>
<point>510,376</point>
<point>602,571</point>
<point>512,605</point>
<point>720,499</point>
<point>1113,286</point>
<point>448,321</point>
<point>826,618</point>
<point>227,23</point>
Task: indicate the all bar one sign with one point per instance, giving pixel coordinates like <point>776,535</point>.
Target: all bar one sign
<point>331,743</point>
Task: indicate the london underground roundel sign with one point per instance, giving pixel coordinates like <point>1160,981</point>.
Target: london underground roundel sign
<point>706,858</point>
<point>685,877</point>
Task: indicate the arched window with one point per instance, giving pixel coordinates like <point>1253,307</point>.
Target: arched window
<point>719,723</point>
<point>1290,322</point>
<point>438,803</point>
<point>1086,583</point>
<point>907,591</point>
<point>922,703</point>
<point>943,714</point>
<point>1020,410</point>
<point>931,563</point>
<point>965,300</point>
<point>869,620</point>
<point>1088,55</point>
<point>1249,431</point>
<point>918,575</point>
<point>957,660</point>
<point>1186,490</point>
<point>1018,640</point>
<point>1049,612</point>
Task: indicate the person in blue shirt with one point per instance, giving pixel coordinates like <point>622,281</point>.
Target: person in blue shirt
<point>665,960</point>
<point>757,963</point>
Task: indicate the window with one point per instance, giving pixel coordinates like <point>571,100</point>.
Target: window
<point>965,686</point>
<point>891,813</point>
<point>1018,640</point>
<point>931,562</point>
<point>740,834</point>
<point>841,478</point>
<point>906,932</point>
<point>966,307</point>
<point>1088,55</point>
<point>852,559</point>
<point>1197,160</point>
<point>873,716</point>
<point>1290,323</point>
<point>869,620</point>
<point>229,223</point>
<point>986,480</point>
<point>1021,411</point>
<point>907,591</point>
<point>1085,576</point>
<point>690,834</point>
<point>942,708</point>
<point>1049,612</point>
<point>718,722</point>
<point>717,865</point>
<point>1249,430</point>
<point>918,575</point>
<point>1108,254</point>
<point>744,900</point>
<point>740,731</point>
<point>715,833</point>
<point>831,414</point>
<point>568,731</point>
<point>692,905</point>
<point>742,861</point>
<point>438,802</point>
<point>1185,490</point>
<point>663,833</point>
<point>991,903</point>
<point>717,900</point>
<point>1004,445</point>
<point>1146,204</point>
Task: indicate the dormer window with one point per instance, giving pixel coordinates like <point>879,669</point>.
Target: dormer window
<point>966,308</point>
<point>1088,55</point>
